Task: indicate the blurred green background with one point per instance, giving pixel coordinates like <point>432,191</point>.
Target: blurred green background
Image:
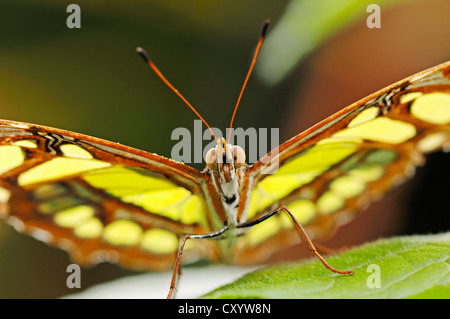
<point>91,81</point>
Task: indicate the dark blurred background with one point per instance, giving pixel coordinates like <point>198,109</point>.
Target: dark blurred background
<point>91,81</point>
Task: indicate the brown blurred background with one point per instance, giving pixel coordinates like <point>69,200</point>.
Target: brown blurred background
<point>91,81</point>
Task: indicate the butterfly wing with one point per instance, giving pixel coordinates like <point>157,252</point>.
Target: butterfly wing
<point>334,169</point>
<point>97,199</point>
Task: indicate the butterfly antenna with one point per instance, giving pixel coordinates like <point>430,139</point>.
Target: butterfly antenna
<point>255,56</point>
<point>150,63</point>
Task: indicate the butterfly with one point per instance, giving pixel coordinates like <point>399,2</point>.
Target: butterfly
<point>102,201</point>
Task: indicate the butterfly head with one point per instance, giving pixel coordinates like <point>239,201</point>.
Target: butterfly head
<point>225,159</point>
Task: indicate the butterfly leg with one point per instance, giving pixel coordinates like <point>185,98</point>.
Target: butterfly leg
<point>177,267</point>
<point>302,234</point>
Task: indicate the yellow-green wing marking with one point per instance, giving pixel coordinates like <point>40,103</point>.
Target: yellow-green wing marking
<point>77,194</point>
<point>338,167</point>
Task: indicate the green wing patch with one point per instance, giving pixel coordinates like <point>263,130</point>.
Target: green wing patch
<point>56,190</point>
<point>348,161</point>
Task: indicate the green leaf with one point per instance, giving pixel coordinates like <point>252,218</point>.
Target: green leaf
<point>303,27</point>
<point>409,267</point>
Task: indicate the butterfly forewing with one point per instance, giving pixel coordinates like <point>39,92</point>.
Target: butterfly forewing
<point>97,199</point>
<point>333,170</point>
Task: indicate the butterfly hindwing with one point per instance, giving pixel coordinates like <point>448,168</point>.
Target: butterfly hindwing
<point>331,171</point>
<point>97,199</point>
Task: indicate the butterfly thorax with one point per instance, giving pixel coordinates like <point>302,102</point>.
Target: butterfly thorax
<point>226,165</point>
<point>229,209</point>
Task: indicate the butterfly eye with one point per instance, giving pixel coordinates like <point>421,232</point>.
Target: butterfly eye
<point>238,156</point>
<point>211,160</point>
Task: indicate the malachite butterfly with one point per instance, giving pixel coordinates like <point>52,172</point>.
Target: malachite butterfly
<point>102,201</point>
